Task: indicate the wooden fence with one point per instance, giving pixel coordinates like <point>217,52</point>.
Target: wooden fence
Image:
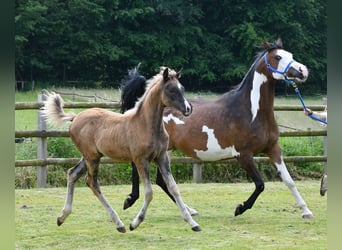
<point>42,134</point>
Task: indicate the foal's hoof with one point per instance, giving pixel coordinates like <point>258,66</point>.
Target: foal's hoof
<point>307,216</point>
<point>131,227</point>
<point>196,229</point>
<point>59,222</point>
<point>121,229</point>
<point>239,209</point>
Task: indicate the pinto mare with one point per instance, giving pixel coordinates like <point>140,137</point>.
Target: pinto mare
<point>239,124</point>
<point>137,135</point>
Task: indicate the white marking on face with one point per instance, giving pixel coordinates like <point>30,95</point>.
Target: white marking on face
<point>173,118</point>
<point>258,80</point>
<point>286,58</point>
<point>215,151</point>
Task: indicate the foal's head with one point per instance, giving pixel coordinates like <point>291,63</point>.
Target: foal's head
<point>173,91</point>
<point>280,64</point>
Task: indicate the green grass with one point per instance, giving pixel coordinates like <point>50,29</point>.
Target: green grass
<point>273,223</point>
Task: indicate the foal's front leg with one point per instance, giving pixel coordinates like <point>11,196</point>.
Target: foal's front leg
<point>164,167</point>
<point>142,167</point>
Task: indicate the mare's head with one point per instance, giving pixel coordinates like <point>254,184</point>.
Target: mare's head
<point>280,64</point>
<point>173,91</point>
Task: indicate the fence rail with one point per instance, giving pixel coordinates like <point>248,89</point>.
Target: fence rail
<point>42,134</point>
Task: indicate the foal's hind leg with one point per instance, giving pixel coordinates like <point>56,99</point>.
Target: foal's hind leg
<point>164,166</point>
<point>92,182</point>
<point>277,160</point>
<point>74,174</point>
<point>161,183</point>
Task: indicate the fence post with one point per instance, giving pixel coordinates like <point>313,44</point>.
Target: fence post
<point>197,172</point>
<point>41,147</point>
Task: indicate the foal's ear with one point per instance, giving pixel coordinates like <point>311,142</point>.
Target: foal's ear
<point>179,74</point>
<point>166,74</point>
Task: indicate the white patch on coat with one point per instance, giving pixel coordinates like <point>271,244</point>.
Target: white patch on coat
<point>173,118</point>
<point>215,151</point>
<point>258,80</point>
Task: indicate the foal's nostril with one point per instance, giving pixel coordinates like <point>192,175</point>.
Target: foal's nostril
<point>300,69</point>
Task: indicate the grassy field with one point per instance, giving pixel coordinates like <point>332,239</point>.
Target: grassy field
<point>273,223</point>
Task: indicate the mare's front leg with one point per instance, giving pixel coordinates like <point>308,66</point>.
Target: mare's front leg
<point>142,168</point>
<point>92,182</point>
<point>161,183</point>
<point>164,167</point>
<point>247,163</point>
<point>134,195</point>
<point>74,174</point>
<point>277,160</point>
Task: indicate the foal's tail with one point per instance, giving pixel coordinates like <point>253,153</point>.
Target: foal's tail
<point>53,110</point>
<point>132,88</point>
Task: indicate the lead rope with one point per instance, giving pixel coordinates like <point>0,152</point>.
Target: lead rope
<point>302,101</point>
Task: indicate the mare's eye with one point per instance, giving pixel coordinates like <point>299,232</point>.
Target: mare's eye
<point>278,57</point>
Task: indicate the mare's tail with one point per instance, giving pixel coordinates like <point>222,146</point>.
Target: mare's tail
<point>53,110</point>
<point>132,88</point>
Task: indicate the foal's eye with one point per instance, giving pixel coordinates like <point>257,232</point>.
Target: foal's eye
<point>278,57</point>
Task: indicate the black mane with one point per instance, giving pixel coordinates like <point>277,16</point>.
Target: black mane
<point>132,87</point>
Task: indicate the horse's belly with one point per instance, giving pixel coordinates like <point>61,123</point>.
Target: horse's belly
<point>215,154</point>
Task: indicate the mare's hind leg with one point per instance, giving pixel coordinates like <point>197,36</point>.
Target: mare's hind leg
<point>74,174</point>
<point>164,166</point>
<point>134,195</point>
<point>93,184</point>
<point>247,163</point>
<point>161,183</point>
<point>277,160</point>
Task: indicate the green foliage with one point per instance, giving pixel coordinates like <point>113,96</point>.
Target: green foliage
<point>213,41</point>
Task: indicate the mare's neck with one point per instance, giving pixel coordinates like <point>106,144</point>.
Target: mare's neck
<point>258,89</point>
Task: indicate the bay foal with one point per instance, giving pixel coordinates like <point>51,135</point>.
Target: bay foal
<point>137,135</point>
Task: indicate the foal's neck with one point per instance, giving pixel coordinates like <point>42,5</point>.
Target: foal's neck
<point>152,108</point>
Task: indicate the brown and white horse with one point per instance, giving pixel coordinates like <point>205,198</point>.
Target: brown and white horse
<point>138,135</point>
<point>239,124</point>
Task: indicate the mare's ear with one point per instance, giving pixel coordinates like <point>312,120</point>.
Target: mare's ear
<point>166,74</point>
<point>266,45</point>
<point>279,42</point>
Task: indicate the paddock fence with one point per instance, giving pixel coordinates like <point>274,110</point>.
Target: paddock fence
<point>42,133</point>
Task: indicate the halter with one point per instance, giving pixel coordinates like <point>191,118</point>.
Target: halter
<point>270,68</point>
<point>292,82</point>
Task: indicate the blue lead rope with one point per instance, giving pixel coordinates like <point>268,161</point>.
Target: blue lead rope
<point>304,106</point>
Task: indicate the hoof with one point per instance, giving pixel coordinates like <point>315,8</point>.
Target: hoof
<point>128,202</point>
<point>307,216</point>
<point>131,227</point>
<point>59,222</point>
<point>121,229</point>
<point>239,210</point>
<point>196,229</point>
